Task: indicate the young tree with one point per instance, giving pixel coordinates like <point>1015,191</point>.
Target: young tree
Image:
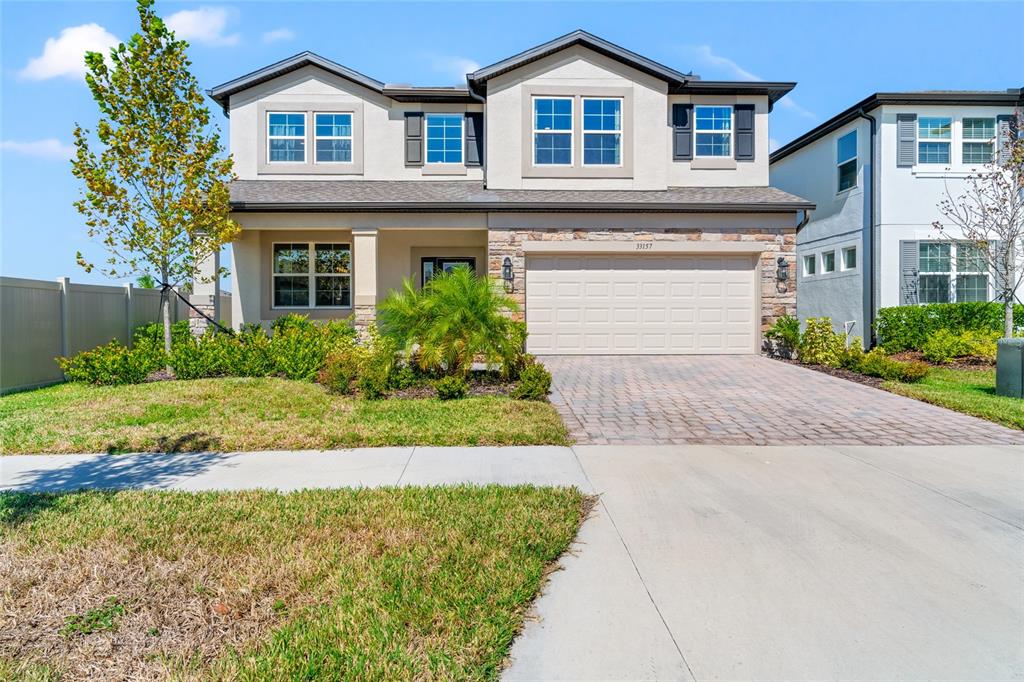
<point>155,177</point>
<point>989,214</point>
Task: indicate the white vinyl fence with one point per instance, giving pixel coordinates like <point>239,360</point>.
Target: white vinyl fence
<point>41,320</point>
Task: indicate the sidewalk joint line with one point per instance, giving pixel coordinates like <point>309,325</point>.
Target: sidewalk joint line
<point>402,475</point>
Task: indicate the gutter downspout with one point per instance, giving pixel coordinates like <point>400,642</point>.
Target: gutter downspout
<point>483,101</point>
<point>869,237</point>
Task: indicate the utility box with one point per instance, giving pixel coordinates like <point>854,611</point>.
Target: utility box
<point>1010,368</point>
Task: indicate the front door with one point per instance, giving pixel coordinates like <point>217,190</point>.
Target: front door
<point>430,266</point>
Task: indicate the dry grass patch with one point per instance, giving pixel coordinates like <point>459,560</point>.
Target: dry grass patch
<point>410,583</point>
<point>235,414</point>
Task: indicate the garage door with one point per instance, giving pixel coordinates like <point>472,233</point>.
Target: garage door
<point>632,304</point>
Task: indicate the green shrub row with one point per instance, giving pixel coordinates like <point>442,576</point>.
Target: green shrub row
<point>943,346</point>
<point>909,327</point>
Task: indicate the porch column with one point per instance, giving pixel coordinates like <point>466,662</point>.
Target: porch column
<point>205,295</point>
<point>364,276</point>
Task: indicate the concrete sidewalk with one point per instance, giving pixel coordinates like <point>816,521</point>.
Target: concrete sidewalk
<point>739,562</point>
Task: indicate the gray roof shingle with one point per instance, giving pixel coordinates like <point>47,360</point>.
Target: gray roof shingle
<point>448,196</point>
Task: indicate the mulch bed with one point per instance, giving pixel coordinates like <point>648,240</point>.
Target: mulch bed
<point>957,363</point>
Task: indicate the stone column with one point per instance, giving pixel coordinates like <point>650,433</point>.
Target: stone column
<point>364,276</point>
<point>205,296</point>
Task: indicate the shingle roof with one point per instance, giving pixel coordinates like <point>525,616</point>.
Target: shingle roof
<point>450,196</point>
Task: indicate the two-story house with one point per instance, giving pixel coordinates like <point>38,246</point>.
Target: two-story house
<point>877,172</point>
<point>624,204</point>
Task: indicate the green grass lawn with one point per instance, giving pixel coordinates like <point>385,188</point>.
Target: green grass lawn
<point>257,414</point>
<point>971,391</point>
<point>385,584</point>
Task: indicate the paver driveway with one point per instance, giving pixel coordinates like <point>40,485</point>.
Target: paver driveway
<point>743,400</point>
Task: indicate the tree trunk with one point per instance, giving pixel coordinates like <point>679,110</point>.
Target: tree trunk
<point>1008,316</point>
<point>165,303</point>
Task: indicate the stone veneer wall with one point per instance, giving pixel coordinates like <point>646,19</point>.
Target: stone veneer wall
<point>776,300</point>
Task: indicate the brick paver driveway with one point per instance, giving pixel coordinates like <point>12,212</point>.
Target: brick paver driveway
<point>743,400</point>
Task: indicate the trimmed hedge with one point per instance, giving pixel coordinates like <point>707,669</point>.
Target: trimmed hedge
<point>909,327</point>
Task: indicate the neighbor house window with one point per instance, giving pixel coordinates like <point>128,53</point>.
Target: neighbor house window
<point>846,160</point>
<point>286,137</point>
<point>828,262</point>
<point>552,131</point>
<point>444,138</point>
<point>602,132</point>
<point>931,131</point>
<point>849,258</point>
<point>713,128</point>
<point>312,275</point>
<point>810,265</point>
<point>951,272</point>
<point>333,140</point>
<point>979,134</point>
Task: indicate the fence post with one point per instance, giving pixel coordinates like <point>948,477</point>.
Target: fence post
<point>128,311</point>
<point>65,315</point>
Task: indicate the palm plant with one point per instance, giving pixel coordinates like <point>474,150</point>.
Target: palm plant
<point>455,318</point>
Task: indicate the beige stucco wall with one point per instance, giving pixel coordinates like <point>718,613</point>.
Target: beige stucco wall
<point>399,253</point>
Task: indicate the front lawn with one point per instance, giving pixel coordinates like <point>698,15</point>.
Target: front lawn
<point>971,391</point>
<point>389,584</point>
<point>257,414</point>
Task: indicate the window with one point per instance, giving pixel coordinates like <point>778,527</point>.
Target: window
<point>849,258</point>
<point>333,142</point>
<point>828,262</point>
<point>602,148</point>
<point>846,160</point>
<point>930,129</point>
<point>951,272</point>
<point>328,280</point>
<point>714,131</point>
<point>979,134</point>
<point>444,138</point>
<point>430,266</point>
<point>810,265</point>
<point>552,131</point>
<point>286,137</point>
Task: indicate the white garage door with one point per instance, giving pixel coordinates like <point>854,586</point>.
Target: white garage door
<point>650,304</point>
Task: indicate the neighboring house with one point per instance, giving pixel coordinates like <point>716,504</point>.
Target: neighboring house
<point>870,242</point>
<point>625,204</point>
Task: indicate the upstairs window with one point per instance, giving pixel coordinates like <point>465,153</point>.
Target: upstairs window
<point>934,134</point>
<point>444,138</point>
<point>333,141</point>
<point>312,275</point>
<point>979,135</point>
<point>286,137</point>
<point>846,161</point>
<point>552,131</point>
<point>602,132</point>
<point>713,130</point>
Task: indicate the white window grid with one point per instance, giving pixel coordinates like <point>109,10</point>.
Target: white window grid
<point>311,274</point>
<point>301,137</point>
<point>571,132</point>
<point>317,136</point>
<point>617,131</point>
<point>697,130</point>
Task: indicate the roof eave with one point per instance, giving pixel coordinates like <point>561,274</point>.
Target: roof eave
<point>518,207</point>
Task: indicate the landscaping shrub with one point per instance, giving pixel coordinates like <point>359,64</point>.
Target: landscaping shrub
<point>299,347</point>
<point>405,376</point>
<point>784,336</point>
<point>377,364</point>
<point>155,332</point>
<point>981,344</point>
<point>341,369</point>
<point>451,388</point>
<point>113,364</point>
<point>819,344</point>
<point>908,372</point>
<point>909,327</point>
<point>534,383</point>
<point>877,364</point>
<point>942,346</point>
<point>853,355</point>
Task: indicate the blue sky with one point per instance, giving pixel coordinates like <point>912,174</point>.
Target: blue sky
<point>837,52</point>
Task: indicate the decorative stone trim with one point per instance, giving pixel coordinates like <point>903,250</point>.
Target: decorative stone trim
<point>363,316</point>
<point>197,324</point>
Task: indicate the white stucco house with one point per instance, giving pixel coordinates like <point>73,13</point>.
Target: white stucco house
<point>877,172</point>
<point>625,204</point>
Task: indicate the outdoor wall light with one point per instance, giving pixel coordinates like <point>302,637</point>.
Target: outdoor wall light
<point>506,273</point>
<point>783,273</point>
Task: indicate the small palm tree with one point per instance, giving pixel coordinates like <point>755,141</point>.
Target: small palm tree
<point>455,318</point>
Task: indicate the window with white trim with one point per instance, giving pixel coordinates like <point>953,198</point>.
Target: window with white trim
<point>552,131</point>
<point>951,272</point>
<point>810,265</point>
<point>333,138</point>
<point>849,261</point>
<point>444,138</point>
<point>979,138</point>
<point>286,137</point>
<point>828,262</point>
<point>312,275</point>
<point>846,161</point>
<point>602,132</point>
<point>713,131</point>
<point>933,139</point>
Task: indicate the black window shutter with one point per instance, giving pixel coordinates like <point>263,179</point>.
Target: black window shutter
<point>474,138</point>
<point>908,272</point>
<point>1006,133</point>
<point>906,139</point>
<point>414,138</point>
<point>744,114</point>
<point>682,132</point>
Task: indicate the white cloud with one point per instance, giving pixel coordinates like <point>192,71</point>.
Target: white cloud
<point>705,55</point>
<point>65,55</point>
<point>204,25</point>
<point>454,68</point>
<point>278,35</point>
<point>50,148</point>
